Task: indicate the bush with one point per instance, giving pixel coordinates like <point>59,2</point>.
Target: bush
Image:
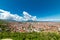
<point>30,36</point>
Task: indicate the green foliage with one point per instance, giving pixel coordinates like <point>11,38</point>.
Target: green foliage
<point>3,22</point>
<point>30,36</point>
<point>4,26</point>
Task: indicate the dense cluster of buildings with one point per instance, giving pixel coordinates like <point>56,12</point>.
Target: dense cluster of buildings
<point>34,26</point>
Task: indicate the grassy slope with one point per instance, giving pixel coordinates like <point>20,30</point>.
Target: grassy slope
<point>31,36</point>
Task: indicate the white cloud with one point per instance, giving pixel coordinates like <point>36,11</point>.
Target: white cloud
<point>7,15</point>
<point>26,16</point>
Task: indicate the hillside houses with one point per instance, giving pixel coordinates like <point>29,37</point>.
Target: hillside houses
<point>34,26</point>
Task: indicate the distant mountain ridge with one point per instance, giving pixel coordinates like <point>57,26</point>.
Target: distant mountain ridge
<point>24,21</point>
<point>17,21</point>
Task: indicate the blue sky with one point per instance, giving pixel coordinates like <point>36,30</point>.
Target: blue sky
<point>42,9</point>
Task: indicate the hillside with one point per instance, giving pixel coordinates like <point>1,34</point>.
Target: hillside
<point>4,26</point>
<point>3,22</point>
<point>15,26</point>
